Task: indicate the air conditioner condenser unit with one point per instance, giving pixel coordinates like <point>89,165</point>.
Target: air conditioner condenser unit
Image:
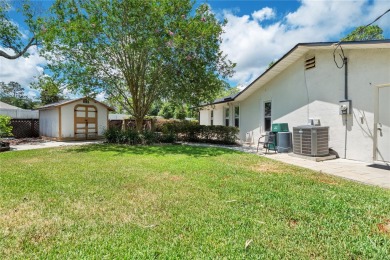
<point>311,140</point>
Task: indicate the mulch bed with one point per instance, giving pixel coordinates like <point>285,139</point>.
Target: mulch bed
<point>18,141</point>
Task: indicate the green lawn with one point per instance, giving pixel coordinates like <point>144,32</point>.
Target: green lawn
<point>107,201</point>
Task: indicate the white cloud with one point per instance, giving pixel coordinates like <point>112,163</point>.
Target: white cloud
<point>263,14</point>
<point>22,70</point>
<point>253,44</point>
<point>101,96</point>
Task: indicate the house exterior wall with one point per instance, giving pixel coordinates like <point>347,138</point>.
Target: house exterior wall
<point>218,115</point>
<point>204,117</point>
<point>67,118</point>
<point>297,95</point>
<point>48,123</point>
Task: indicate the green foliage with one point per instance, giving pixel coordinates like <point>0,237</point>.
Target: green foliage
<point>155,109</point>
<point>130,136</point>
<point>362,33</point>
<point>11,37</point>
<point>167,110</point>
<point>193,132</point>
<point>49,88</point>
<point>13,94</point>
<point>12,89</point>
<point>172,131</point>
<point>271,64</point>
<point>228,91</point>
<point>5,126</point>
<point>138,52</point>
<point>180,113</point>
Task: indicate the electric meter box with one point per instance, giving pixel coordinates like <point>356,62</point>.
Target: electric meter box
<point>345,107</point>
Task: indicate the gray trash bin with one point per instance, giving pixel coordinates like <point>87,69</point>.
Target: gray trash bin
<point>284,142</point>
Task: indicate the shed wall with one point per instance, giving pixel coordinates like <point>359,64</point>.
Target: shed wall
<point>67,118</point>
<point>48,123</point>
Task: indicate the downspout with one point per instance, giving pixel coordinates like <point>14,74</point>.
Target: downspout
<point>345,98</point>
<point>346,79</point>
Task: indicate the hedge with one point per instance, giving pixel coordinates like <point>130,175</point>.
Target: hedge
<point>193,132</point>
<point>175,131</point>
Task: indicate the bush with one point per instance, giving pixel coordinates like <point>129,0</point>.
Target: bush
<point>193,132</point>
<point>5,126</point>
<point>172,131</point>
<point>130,136</point>
<point>149,137</point>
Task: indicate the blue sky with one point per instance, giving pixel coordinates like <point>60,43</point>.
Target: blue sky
<point>257,32</point>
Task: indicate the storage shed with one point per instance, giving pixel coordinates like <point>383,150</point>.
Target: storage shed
<point>77,119</point>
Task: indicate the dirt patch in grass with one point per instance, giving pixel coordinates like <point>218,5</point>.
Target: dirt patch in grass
<point>268,168</point>
<point>32,160</point>
<point>323,178</point>
<point>293,223</point>
<point>19,218</point>
<point>166,176</point>
<point>28,225</point>
<point>384,227</point>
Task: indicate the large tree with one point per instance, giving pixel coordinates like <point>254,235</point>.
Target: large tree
<point>13,94</point>
<point>365,33</point>
<point>138,51</point>
<point>10,35</point>
<point>50,90</point>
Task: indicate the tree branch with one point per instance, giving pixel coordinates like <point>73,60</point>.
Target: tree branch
<point>18,54</point>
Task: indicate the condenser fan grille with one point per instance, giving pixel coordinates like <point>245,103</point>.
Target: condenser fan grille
<point>311,140</point>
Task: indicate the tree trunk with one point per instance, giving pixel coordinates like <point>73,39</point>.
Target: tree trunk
<point>138,124</point>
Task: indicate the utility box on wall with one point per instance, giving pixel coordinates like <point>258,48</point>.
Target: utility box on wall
<point>345,107</point>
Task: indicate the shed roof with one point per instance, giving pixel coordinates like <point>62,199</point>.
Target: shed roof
<point>66,102</point>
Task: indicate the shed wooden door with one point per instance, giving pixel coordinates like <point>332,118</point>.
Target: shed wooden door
<point>85,122</point>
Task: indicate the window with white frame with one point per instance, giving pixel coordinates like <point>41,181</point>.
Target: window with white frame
<point>237,116</point>
<point>267,116</point>
<point>227,116</point>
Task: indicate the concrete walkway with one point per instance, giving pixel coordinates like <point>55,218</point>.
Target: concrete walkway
<point>348,169</point>
<point>49,144</point>
<point>353,170</point>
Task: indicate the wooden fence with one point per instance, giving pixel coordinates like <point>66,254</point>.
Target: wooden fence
<point>115,124</point>
<point>24,128</point>
<point>130,124</point>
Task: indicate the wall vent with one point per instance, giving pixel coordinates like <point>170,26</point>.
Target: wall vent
<point>310,63</point>
<point>311,140</point>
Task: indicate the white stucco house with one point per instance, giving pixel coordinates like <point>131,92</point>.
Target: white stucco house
<point>77,119</point>
<point>305,84</point>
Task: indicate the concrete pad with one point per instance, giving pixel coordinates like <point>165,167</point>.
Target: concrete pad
<point>50,144</point>
<point>313,158</point>
<point>352,170</point>
<point>348,169</point>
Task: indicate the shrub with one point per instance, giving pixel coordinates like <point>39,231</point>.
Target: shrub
<point>149,137</point>
<point>193,132</point>
<point>5,126</point>
<point>172,131</point>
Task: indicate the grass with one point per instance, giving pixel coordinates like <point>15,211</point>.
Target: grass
<point>107,201</point>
